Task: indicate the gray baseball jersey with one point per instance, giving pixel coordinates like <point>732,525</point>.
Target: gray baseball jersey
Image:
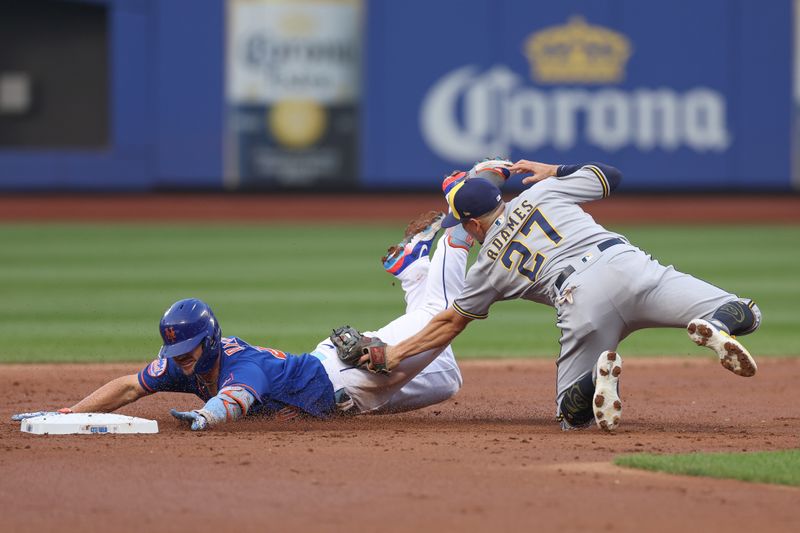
<point>545,248</point>
<point>541,232</point>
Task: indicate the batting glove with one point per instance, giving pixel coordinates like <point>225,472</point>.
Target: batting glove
<point>199,422</point>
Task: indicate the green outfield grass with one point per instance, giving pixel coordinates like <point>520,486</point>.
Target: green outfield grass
<point>79,292</point>
<point>781,467</point>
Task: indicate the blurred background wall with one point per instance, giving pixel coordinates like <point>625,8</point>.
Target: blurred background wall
<point>140,95</point>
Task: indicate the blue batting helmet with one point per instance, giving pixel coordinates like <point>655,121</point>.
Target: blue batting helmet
<point>187,324</point>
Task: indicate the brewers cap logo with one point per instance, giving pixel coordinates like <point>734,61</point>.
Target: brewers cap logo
<point>169,334</point>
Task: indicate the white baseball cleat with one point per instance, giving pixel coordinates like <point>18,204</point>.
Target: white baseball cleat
<point>492,169</point>
<point>732,354</point>
<point>495,170</point>
<point>607,404</point>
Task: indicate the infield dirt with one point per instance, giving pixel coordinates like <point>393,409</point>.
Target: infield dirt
<point>491,459</point>
<point>671,209</point>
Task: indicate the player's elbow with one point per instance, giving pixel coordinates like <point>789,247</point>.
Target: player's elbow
<point>455,381</point>
<point>129,389</point>
<point>131,395</point>
<point>448,388</point>
<point>612,175</point>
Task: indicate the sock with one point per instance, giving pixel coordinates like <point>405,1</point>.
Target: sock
<point>738,317</point>
<point>576,405</point>
<point>457,237</point>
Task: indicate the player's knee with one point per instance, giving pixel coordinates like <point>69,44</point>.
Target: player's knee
<point>739,317</point>
<point>575,407</point>
<point>453,385</point>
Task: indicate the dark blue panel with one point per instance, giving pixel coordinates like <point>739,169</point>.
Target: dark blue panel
<point>190,86</point>
<point>127,164</point>
<point>762,151</point>
<point>73,170</point>
<point>166,88</point>
<point>405,54</point>
<point>131,80</point>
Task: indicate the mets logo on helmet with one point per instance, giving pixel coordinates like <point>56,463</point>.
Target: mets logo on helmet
<point>169,333</point>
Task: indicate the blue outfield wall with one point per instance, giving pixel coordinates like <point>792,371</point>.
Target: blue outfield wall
<point>678,94</point>
<point>701,99</point>
<point>166,95</point>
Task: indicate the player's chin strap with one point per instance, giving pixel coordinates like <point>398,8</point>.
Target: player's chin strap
<point>231,403</point>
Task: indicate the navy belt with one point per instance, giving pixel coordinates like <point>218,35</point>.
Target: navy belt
<point>570,270</point>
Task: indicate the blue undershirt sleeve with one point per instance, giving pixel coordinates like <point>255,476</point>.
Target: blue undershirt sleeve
<point>612,174</point>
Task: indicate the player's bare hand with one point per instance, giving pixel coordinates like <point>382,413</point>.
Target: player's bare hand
<point>376,360</point>
<point>538,171</point>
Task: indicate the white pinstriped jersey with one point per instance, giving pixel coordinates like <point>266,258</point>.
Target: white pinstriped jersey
<point>541,232</point>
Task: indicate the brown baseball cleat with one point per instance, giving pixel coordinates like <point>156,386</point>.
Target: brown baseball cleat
<point>732,355</point>
<point>607,403</point>
<point>416,242</point>
<point>422,222</point>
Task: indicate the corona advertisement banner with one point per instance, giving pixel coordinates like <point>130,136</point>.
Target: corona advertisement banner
<point>292,93</point>
<point>676,94</point>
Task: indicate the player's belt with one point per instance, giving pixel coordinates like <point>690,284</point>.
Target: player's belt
<point>570,270</point>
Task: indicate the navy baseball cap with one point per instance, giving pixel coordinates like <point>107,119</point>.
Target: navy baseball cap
<point>471,198</point>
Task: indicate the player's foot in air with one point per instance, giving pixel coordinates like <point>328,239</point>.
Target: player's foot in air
<point>495,169</point>
<point>732,354</point>
<point>606,402</point>
<point>417,242</point>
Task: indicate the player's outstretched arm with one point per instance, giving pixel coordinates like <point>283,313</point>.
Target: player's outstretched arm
<point>440,331</point>
<point>111,396</point>
<point>231,403</point>
<point>609,175</point>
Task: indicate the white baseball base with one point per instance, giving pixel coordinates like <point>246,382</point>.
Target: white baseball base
<point>87,424</point>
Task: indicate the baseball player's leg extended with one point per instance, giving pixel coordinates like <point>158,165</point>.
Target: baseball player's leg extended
<point>432,282</point>
<point>369,391</point>
<point>594,396</point>
<point>738,317</point>
<point>447,270</point>
<point>588,379</point>
<point>436,376</point>
<point>409,260</point>
<point>443,274</point>
<point>588,365</point>
<point>712,316</point>
<point>441,379</point>
<point>437,382</point>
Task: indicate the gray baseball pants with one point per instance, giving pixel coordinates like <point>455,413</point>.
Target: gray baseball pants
<point>617,292</point>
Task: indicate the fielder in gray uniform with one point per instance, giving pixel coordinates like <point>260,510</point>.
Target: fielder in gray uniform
<point>541,246</point>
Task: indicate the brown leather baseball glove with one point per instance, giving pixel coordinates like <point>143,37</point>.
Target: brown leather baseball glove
<point>351,346</point>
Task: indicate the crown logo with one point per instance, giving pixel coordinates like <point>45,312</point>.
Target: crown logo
<point>577,53</point>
